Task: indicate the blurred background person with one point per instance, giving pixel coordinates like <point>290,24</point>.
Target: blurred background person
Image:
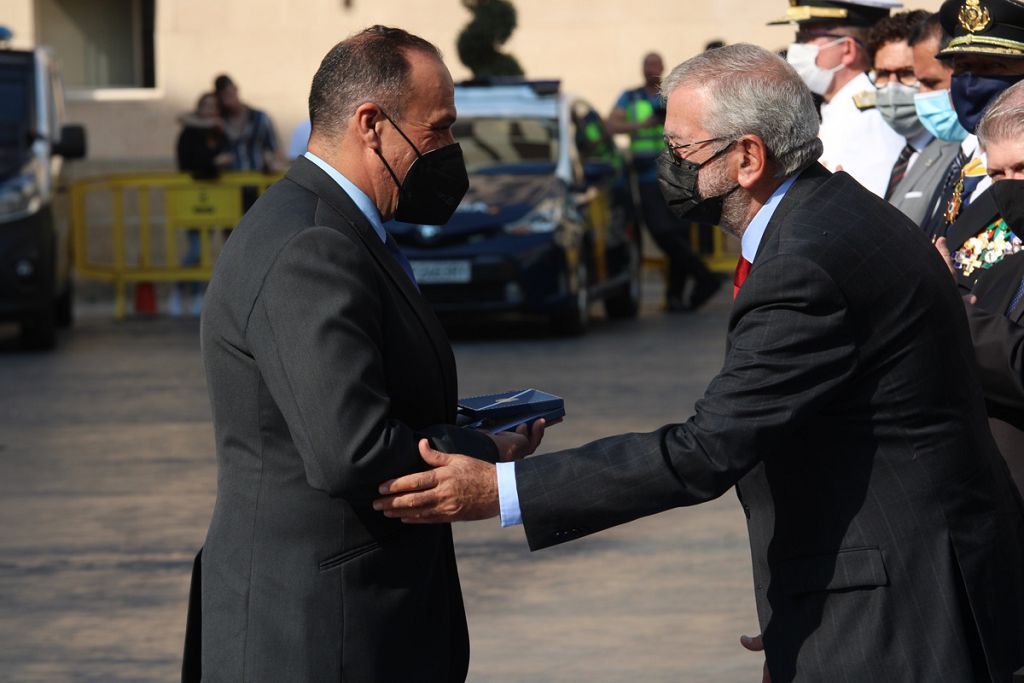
<point>987,263</point>
<point>202,145</point>
<point>640,113</point>
<point>831,55</point>
<point>202,152</point>
<point>987,56</point>
<point>925,158</point>
<point>249,131</point>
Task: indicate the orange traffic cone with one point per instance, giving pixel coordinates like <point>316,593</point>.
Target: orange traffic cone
<point>145,298</point>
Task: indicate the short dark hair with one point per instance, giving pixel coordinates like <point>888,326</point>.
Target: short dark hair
<point>370,66</point>
<point>222,83</point>
<point>893,29</point>
<point>930,27</point>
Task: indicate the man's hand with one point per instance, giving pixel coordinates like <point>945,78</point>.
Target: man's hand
<point>756,644</point>
<point>459,488</point>
<point>943,248</point>
<point>520,443</point>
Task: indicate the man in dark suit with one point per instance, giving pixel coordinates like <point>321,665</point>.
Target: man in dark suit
<point>886,536</point>
<point>325,367</point>
<point>913,194</point>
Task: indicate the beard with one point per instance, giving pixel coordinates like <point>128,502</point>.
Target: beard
<point>715,182</point>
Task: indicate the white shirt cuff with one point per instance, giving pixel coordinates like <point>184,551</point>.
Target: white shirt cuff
<point>508,495</point>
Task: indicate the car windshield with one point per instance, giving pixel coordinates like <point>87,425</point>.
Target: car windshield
<point>508,145</point>
<point>16,111</point>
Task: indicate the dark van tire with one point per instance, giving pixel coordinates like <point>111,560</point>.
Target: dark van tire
<point>39,330</point>
<point>64,307</point>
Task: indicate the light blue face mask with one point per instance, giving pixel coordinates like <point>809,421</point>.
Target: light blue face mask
<point>935,109</point>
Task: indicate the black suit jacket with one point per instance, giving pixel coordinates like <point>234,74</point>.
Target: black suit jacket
<point>885,534</point>
<point>325,366</point>
<point>998,333</point>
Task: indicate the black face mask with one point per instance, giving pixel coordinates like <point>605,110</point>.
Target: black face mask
<point>434,185</point>
<point>678,181</point>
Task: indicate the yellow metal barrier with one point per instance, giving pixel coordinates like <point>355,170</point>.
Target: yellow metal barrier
<point>721,259</point>
<point>116,218</point>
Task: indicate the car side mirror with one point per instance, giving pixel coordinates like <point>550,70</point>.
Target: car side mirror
<point>72,142</point>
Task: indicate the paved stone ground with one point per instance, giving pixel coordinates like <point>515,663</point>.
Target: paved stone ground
<point>107,480</point>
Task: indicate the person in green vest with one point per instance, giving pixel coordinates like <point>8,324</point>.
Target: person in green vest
<point>640,113</point>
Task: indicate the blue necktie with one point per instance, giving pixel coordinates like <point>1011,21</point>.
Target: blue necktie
<point>1016,299</point>
<point>400,257</point>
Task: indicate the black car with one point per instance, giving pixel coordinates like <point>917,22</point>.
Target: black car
<point>549,223</point>
<point>35,242</point>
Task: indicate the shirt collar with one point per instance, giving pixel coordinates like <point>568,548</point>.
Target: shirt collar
<point>751,239</point>
<point>362,202</point>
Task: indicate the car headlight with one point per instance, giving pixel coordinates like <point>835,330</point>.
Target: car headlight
<point>19,197</point>
<point>545,217</point>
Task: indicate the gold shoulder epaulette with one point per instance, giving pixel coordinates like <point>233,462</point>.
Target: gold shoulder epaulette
<point>866,100</point>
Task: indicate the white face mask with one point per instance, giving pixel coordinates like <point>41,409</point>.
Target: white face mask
<point>803,57</point>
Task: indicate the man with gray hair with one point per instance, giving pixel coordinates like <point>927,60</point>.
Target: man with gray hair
<point>325,367</point>
<point>886,536</point>
<point>1001,135</point>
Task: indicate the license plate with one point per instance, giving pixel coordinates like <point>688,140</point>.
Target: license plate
<point>442,272</point>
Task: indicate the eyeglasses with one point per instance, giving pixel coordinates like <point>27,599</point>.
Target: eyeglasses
<point>882,77</point>
<point>673,148</point>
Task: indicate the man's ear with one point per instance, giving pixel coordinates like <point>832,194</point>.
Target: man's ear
<point>752,162</point>
<point>853,53</point>
<point>367,120</point>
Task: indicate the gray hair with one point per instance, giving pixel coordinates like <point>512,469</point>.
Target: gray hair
<point>370,66</point>
<point>1004,120</point>
<point>751,91</point>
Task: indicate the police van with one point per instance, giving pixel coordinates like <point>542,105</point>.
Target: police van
<point>35,240</point>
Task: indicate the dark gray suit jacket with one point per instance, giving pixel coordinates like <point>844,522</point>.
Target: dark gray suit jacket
<point>915,194</point>
<point>324,366</point>
<point>886,536</point>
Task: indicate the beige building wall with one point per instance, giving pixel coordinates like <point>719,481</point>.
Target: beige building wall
<point>272,48</point>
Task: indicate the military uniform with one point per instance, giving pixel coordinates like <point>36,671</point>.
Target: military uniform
<point>988,256</point>
<point>992,28</point>
<point>853,133</point>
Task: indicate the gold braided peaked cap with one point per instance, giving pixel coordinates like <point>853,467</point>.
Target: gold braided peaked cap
<point>839,12</point>
<point>984,27</point>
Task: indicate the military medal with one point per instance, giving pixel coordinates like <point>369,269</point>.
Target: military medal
<point>955,201</point>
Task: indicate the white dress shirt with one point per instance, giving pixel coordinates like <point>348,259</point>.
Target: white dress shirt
<point>508,493</point>
<point>362,202</point>
<point>859,141</point>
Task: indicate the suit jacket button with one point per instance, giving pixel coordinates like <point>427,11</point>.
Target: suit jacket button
<point>746,511</point>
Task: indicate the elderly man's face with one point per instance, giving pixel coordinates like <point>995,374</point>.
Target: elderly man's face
<point>1006,159</point>
<point>683,125</point>
<point>685,131</point>
<point>931,73</point>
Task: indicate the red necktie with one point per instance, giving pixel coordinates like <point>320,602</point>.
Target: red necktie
<point>742,270</point>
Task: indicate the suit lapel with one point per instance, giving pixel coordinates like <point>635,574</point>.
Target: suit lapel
<point>308,175</point>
